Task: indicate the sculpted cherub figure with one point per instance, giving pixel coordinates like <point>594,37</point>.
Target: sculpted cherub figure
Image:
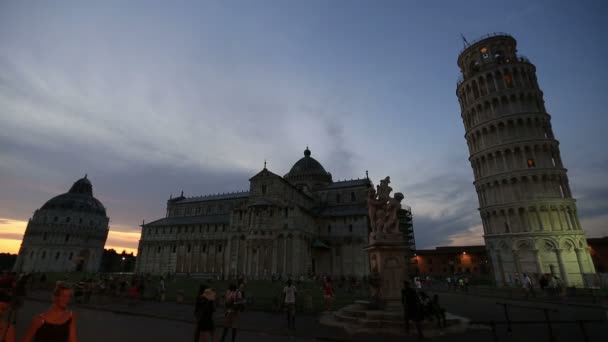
<point>392,220</point>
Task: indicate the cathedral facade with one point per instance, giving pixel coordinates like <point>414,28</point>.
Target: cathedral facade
<point>300,224</point>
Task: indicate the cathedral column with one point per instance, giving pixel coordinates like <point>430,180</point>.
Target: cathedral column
<point>274,257</point>
<point>246,261</point>
<point>285,255</point>
<point>562,268</point>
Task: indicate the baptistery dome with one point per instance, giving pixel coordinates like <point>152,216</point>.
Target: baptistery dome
<point>78,199</point>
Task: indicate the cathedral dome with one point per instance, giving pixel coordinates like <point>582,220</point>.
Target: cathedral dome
<point>79,198</point>
<point>308,170</point>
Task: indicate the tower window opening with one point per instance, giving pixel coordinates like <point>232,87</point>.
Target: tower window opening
<point>484,53</point>
<point>337,198</point>
<point>44,236</point>
<point>189,248</point>
<point>531,163</point>
<point>350,228</point>
<point>43,254</point>
<point>57,256</point>
<point>219,248</point>
<point>264,189</point>
<point>508,80</point>
<point>352,197</point>
<point>174,249</point>
<point>71,255</point>
<point>328,229</point>
<point>507,229</point>
<point>67,237</point>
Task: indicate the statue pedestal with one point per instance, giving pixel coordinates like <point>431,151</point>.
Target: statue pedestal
<point>387,255</point>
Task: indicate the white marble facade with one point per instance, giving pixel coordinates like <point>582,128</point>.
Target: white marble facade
<point>66,234</point>
<point>529,217</point>
<point>299,224</point>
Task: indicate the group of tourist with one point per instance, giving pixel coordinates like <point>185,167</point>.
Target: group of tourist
<point>418,306</point>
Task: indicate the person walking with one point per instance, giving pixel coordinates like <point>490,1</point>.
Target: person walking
<point>203,311</point>
<point>289,298</point>
<point>412,308</point>
<point>7,319</point>
<point>232,302</point>
<point>57,324</point>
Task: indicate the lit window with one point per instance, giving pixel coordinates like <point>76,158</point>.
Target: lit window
<point>531,163</point>
<point>484,53</point>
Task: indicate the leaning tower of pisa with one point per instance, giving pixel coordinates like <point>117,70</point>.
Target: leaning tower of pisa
<point>529,217</point>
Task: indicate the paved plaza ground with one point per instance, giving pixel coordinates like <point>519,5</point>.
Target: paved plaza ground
<point>153,321</point>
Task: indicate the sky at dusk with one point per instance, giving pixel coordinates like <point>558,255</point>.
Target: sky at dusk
<point>151,98</point>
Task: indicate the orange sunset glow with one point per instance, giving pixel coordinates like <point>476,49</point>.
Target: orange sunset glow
<point>11,234</point>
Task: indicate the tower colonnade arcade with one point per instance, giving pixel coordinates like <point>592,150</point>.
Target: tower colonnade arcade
<point>564,255</point>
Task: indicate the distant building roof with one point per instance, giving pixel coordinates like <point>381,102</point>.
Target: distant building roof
<point>452,250</point>
<point>348,184</point>
<point>173,221</point>
<point>214,197</point>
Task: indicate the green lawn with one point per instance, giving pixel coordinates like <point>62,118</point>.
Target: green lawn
<point>261,294</point>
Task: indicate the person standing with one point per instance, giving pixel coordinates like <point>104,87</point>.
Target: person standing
<point>232,303</point>
<point>162,289</point>
<point>412,308</point>
<point>7,319</point>
<point>57,324</point>
<point>527,285</point>
<point>289,298</point>
<point>328,293</point>
<point>203,311</point>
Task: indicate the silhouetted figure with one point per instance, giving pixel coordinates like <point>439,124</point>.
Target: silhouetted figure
<point>412,308</point>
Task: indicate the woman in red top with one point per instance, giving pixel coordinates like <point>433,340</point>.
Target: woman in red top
<point>328,293</point>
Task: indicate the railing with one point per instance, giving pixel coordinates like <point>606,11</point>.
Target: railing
<point>547,321</point>
<point>493,34</point>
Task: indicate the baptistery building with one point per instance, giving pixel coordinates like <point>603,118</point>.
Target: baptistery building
<point>297,224</point>
<point>66,234</point>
